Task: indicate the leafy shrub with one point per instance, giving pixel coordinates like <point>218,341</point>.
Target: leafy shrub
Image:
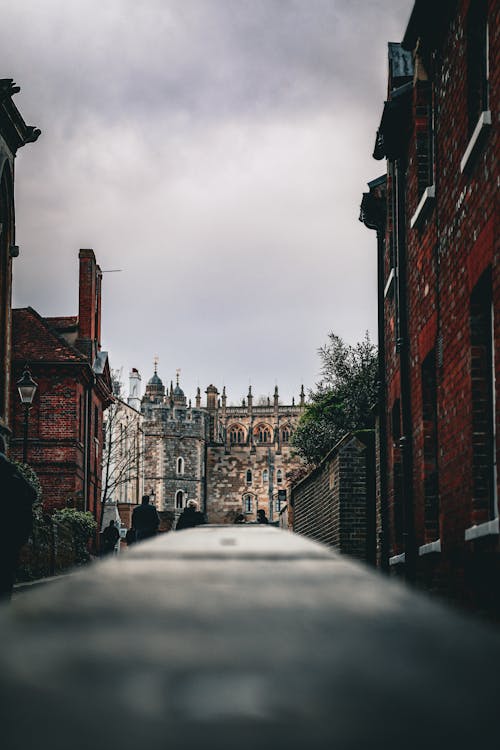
<point>83,527</point>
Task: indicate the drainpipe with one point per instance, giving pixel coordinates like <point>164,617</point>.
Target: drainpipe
<point>86,447</point>
<point>373,216</point>
<point>382,405</point>
<point>403,348</point>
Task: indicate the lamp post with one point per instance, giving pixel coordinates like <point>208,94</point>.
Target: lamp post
<point>27,389</point>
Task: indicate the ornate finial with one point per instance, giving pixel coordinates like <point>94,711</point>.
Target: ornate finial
<point>177,375</point>
<point>276,390</point>
<point>156,360</point>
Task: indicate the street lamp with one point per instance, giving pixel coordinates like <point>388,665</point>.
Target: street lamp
<point>27,389</point>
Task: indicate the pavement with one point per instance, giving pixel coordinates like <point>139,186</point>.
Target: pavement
<point>237,637</point>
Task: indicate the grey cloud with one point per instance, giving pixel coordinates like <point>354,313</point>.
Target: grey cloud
<point>216,150</point>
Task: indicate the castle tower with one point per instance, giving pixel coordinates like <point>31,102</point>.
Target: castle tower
<point>134,389</point>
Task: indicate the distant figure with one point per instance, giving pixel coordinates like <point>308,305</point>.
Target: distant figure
<point>145,520</point>
<point>130,536</point>
<point>16,519</point>
<point>261,516</point>
<point>190,516</point>
<point>110,536</point>
<point>240,518</point>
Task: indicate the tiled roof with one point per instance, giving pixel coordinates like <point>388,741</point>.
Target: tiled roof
<point>63,324</point>
<point>35,339</point>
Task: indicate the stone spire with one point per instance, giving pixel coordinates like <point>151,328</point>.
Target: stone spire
<point>302,396</point>
<point>198,397</point>
<point>250,398</point>
<point>276,397</point>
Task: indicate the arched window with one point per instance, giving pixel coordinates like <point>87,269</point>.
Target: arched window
<point>236,435</point>
<point>279,477</point>
<point>265,476</point>
<point>180,465</point>
<point>179,499</point>
<point>285,435</point>
<point>263,434</point>
<point>247,504</point>
<point>249,476</point>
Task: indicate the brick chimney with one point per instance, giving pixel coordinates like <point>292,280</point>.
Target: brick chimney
<point>89,304</point>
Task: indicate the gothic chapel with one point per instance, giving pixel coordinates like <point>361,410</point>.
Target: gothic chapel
<point>231,459</point>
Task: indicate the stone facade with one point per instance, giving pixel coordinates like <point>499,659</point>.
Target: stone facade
<point>123,454</point>
<point>231,459</point>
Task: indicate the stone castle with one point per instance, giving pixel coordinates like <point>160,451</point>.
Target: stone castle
<point>231,459</point>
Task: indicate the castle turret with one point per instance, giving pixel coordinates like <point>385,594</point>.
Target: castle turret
<point>178,394</point>
<point>134,389</point>
<point>212,394</point>
<point>155,390</point>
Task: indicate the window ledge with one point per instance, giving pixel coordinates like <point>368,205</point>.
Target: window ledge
<point>490,528</point>
<point>428,549</point>
<point>483,123</point>
<point>425,203</point>
<point>397,559</point>
<point>390,282</point>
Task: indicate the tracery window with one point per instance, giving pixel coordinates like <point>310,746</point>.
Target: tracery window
<point>285,435</point>
<point>236,435</point>
<point>263,434</point>
<point>265,476</point>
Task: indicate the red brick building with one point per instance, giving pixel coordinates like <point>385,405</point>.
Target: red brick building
<point>435,211</point>
<point>74,388</point>
<point>14,133</point>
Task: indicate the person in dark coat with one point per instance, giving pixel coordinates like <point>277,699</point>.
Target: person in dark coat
<point>110,536</point>
<point>145,520</point>
<point>190,516</point>
<point>240,518</point>
<point>16,519</point>
<point>261,516</point>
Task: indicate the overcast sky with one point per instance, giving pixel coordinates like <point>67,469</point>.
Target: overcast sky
<point>216,151</point>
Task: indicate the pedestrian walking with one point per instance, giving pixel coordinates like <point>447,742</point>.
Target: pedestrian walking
<point>145,520</point>
<point>110,536</point>
<point>16,519</point>
<point>261,516</point>
<point>190,516</point>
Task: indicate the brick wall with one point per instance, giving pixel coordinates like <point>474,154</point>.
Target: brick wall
<point>450,252</point>
<point>333,504</point>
